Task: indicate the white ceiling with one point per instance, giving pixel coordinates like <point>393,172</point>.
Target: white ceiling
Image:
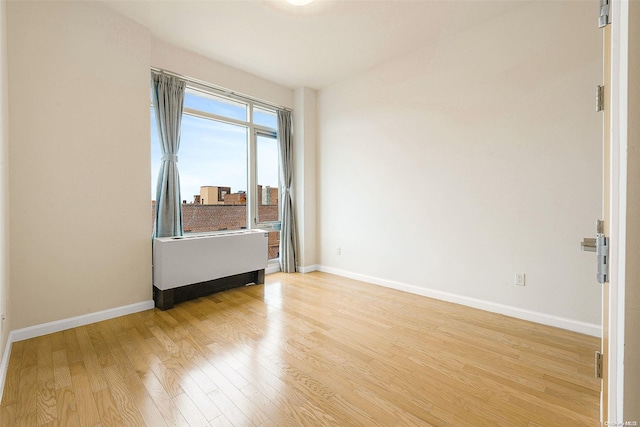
<point>313,45</point>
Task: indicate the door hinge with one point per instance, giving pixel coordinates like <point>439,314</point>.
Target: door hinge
<point>604,18</point>
<point>598,367</point>
<point>599,98</point>
<point>602,254</point>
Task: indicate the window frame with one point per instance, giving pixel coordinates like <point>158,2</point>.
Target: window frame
<point>253,131</point>
<point>253,166</point>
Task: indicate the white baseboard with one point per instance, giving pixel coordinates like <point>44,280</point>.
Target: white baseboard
<point>73,322</point>
<point>519,313</point>
<point>307,269</point>
<point>64,324</point>
<point>4,365</point>
<point>275,268</point>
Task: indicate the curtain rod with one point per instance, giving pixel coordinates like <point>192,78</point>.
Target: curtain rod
<point>221,90</point>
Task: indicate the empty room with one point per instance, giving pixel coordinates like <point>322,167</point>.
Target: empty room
<point>319,213</point>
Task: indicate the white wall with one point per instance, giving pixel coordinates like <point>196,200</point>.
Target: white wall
<point>304,151</point>
<point>80,160</point>
<point>4,182</point>
<point>80,154</point>
<point>476,157</point>
<point>171,58</point>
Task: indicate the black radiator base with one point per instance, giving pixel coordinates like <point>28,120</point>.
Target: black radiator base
<point>165,299</point>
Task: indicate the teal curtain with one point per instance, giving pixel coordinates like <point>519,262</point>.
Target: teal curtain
<point>168,101</point>
<point>288,236</point>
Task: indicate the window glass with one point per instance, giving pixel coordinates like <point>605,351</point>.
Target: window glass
<point>213,175</point>
<point>215,105</point>
<point>213,164</point>
<point>265,118</point>
<point>267,178</point>
<point>274,244</point>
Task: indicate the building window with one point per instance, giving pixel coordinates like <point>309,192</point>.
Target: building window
<point>229,165</point>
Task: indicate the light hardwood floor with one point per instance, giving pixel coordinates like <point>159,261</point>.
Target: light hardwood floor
<point>305,350</point>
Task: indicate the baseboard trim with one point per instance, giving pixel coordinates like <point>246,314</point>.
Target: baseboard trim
<point>73,322</point>
<point>308,269</point>
<point>275,268</point>
<point>4,365</point>
<point>519,313</point>
<point>61,325</point>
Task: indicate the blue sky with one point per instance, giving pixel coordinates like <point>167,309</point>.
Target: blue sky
<point>215,153</point>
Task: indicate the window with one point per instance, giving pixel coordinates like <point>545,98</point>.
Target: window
<point>265,118</point>
<point>267,178</point>
<point>203,101</point>
<point>229,165</point>
<point>268,188</point>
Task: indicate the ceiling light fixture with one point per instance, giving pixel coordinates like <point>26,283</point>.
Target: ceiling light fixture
<point>299,2</point>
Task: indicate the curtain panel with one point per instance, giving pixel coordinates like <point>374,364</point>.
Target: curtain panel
<point>168,101</point>
<point>288,236</point>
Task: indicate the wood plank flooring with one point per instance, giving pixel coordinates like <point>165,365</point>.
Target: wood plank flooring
<point>305,350</point>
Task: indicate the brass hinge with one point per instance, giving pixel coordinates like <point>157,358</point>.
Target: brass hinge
<point>598,370</point>
<point>599,98</point>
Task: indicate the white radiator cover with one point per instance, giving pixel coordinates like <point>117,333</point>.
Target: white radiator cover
<point>180,261</point>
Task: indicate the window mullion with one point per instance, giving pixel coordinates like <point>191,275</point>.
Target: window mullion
<point>252,197</point>
<point>211,116</point>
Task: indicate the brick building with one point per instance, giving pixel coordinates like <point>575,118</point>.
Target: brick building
<point>198,218</point>
<point>211,195</point>
<point>268,195</point>
<point>239,198</point>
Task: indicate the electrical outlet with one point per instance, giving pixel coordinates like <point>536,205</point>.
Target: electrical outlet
<point>338,250</point>
<point>519,279</point>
